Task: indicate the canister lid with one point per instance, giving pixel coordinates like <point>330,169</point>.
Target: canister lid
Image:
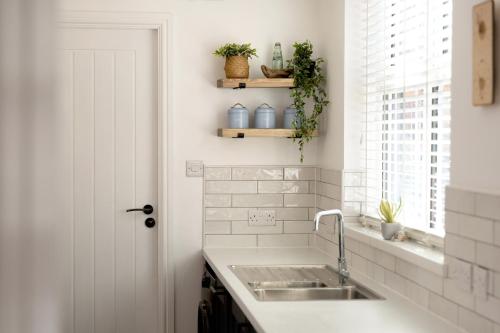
<point>290,109</point>
<point>265,108</point>
<point>237,108</point>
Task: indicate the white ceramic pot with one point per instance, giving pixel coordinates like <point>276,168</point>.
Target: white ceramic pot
<point>389,229</point>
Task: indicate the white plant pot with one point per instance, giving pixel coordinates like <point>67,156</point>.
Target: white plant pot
<point>389,229</point>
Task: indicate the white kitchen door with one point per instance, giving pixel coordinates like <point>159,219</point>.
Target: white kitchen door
<point>109,93</point>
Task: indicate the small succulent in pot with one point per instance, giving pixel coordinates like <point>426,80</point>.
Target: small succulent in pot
<point>237,56</point>
<point>389,212</point>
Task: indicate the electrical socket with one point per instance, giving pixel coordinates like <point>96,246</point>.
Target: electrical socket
<point>261,217</point>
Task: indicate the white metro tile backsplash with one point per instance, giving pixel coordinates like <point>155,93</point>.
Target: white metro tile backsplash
<point>230,187</point>
<point>480,282</point>
<point>295,214</point>
<point>300,227</point>
<point>257,200</point>
<point>231,192</point>
<point>295,193</point>
<point>467,293</point>
<point>443,307</point>
<point>242,227</point>
<point>300,173</point>
<point>297,186</point>
<point>330,176</point>
<point>461,272</point>
<point>217,227</point>
<point>217,200</point>
<point>256,173</point>
<point>226,214</point>
<point>299,200</point>
<point>216,173</point>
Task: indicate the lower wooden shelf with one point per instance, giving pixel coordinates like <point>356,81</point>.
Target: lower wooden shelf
<point>258,132</point>
<point>255,83</point>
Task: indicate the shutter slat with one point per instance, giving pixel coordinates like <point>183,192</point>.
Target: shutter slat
<point>406,47</point>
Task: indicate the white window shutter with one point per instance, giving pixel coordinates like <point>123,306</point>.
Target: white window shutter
<point>406,88</point>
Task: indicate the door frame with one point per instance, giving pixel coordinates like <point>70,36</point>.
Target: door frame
<point>161,23</point>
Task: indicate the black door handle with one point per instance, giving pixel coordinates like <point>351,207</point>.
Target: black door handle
<point>147,209</point>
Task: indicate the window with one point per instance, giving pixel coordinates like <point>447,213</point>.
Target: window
<point>406,70</point>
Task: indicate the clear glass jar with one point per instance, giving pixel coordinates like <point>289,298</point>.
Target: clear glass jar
<point>277,56</point>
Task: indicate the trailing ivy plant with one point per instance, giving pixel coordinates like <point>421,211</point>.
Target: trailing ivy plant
<point>233,49</point>
<point>308,81</point>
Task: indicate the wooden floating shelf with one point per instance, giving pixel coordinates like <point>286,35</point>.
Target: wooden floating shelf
<point>258,132</point>
<point>255,83</point>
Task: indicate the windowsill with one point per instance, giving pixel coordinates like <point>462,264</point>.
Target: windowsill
<point>431,259</point>
<point>424,238</point>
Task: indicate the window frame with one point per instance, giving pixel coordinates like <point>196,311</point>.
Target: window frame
<point>426,235</point>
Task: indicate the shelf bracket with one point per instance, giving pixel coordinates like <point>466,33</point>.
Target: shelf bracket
<point>241,85</point>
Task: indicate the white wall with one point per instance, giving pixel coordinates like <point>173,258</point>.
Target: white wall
<point>354,104</point>
<point>339,146</point>
<point>199,108</point>
<point>475,131</point>
<point>331,47</point>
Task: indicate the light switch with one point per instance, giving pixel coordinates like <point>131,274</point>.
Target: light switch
<point>194,168</point>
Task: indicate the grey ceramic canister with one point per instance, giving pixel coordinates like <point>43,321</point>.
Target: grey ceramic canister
<point>265,116</point>
<point>238,116</point>
<point>289,115</point>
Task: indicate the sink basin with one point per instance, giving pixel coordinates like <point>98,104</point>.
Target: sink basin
<point>300,283</point>
<point>311,294</point>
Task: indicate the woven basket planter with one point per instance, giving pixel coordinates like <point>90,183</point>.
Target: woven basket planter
<point>237,67</point>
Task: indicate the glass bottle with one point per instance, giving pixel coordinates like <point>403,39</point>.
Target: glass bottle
<point>277,56</point>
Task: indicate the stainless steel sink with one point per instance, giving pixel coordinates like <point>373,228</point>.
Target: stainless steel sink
<point>311,294</point>
<point>300,283</point>
<point>286,284</point>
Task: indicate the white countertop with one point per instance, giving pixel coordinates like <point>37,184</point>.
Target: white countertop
<point>395,314</point>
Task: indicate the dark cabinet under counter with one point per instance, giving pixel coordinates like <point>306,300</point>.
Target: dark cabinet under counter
<point>217,312</point>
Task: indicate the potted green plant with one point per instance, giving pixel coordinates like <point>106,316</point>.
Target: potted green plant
<point>308,81</point>
<point>237,56</point>
<point>389,212</point>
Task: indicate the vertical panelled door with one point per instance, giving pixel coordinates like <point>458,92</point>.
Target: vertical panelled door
<point>109,91</point>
